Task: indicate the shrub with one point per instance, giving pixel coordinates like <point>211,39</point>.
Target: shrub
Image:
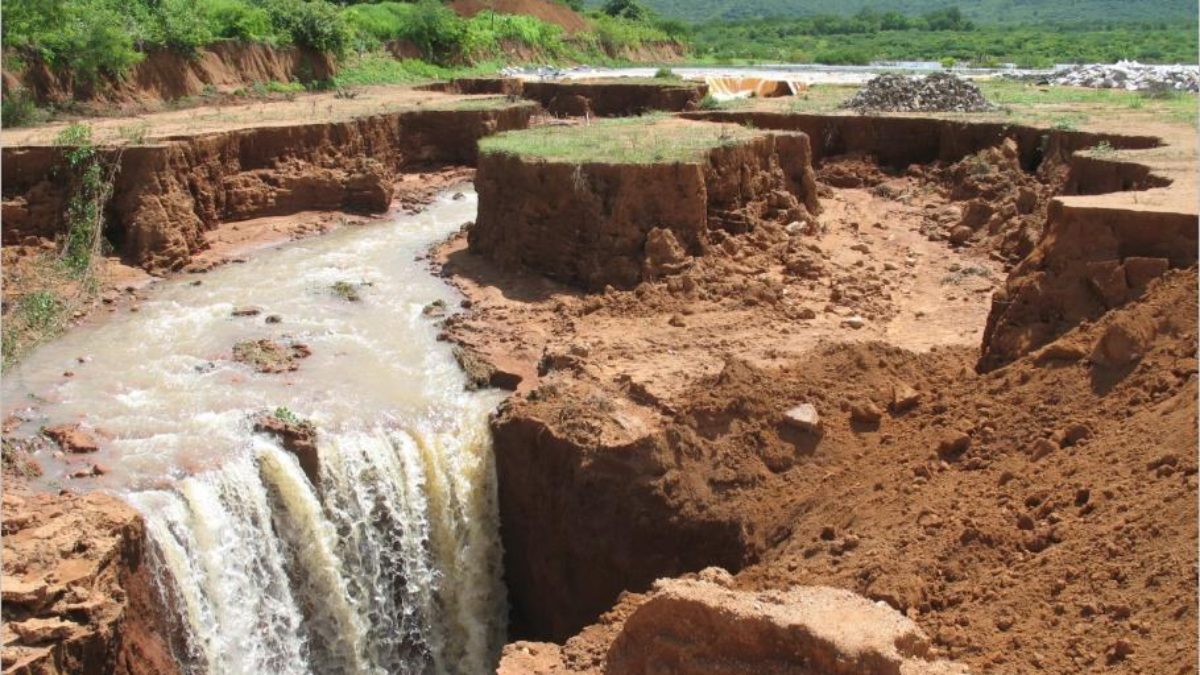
<point>18,109</point>
<point>666,74</point>
<point>237,20</point>
<point>314,24</point>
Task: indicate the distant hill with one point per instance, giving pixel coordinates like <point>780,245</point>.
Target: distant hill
<point>981,11</point>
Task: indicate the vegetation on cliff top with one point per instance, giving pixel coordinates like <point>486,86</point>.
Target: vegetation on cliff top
<point>92,38</point>
<point>648,139</point>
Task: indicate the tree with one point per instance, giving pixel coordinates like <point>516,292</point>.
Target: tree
<point>626,9</point>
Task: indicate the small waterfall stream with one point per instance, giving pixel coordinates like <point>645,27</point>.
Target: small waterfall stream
<point>391,564</point>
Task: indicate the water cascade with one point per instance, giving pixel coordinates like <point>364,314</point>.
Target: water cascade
<point>391,562</point>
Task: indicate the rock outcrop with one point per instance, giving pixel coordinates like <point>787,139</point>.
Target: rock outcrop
<point>78,596</point>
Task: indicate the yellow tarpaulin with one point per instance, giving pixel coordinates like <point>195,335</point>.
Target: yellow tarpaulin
<point>753,86</point>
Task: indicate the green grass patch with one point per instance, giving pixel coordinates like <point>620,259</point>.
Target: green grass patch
<point>636,140</point>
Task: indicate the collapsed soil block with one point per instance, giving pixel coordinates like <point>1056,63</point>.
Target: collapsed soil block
<point>616,97</point>
<point>620,202</point>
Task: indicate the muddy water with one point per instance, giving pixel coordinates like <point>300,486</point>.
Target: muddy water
<point>393,566</point>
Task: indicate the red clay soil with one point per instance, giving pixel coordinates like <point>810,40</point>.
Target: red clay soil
<point>620,224</point>
<point>549,11</point>
<point>1040,516</point>
<point>614,98</point>
<point>165,75</point>
<point>78,596</point>
<point>169,193</point>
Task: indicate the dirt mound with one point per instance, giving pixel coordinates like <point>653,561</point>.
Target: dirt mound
<point>937,92</point>
<point>549,11</point>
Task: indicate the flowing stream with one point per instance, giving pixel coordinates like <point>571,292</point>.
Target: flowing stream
<point>392,564</point>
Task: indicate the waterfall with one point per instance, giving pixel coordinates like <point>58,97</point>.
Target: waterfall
<point>391,566</point>
<point>391,562</point>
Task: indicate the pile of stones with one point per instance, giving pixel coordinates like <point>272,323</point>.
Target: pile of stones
<point>1129,75</point>
<point>938,92</point>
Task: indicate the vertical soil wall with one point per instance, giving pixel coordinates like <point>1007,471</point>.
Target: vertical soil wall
<point>594,225</point>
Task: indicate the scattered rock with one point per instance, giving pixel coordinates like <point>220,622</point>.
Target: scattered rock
<point>694,625</point>
<point>904,397</point>
<point>953,444</point>
<point>274,318</point>
<point>854,322</point>
<point>804,417</point>
<point>866,412</point>
<point>72,438</point>
<point>268,356</point>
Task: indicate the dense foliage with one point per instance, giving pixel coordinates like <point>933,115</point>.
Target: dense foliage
<point>979,11</point>
<point>94,37</point>
<point>871,37</point>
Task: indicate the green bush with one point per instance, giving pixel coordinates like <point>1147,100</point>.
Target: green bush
<point>314,24</point>
<point>18,109</point>
<point>237,20</point>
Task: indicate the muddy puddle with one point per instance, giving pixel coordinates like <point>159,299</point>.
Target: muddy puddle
<point>390,563</point>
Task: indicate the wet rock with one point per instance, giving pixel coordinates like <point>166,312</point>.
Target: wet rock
<point>297,436</point>
<point>273,318</point>
<point>246,311</point>
<point>803,417</point>
<point>268,356</point>
<point>72,438</point>
<point>435,308</point>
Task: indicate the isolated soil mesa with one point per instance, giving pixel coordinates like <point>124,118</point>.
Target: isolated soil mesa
<point>617,203</point>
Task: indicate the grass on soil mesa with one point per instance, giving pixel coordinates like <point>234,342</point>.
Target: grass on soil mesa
<point>636,140</point>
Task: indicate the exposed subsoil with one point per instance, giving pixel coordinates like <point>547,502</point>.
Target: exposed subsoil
<point>1038,517</point>
<point>798,398</point>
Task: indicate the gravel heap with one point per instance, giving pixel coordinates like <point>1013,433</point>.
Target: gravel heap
<point>939,92</point>
<point>1129,75</point>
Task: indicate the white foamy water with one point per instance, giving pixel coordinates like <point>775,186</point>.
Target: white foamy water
<point>392,565</point>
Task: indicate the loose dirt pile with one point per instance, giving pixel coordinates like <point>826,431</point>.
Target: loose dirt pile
<point>938,92</point>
